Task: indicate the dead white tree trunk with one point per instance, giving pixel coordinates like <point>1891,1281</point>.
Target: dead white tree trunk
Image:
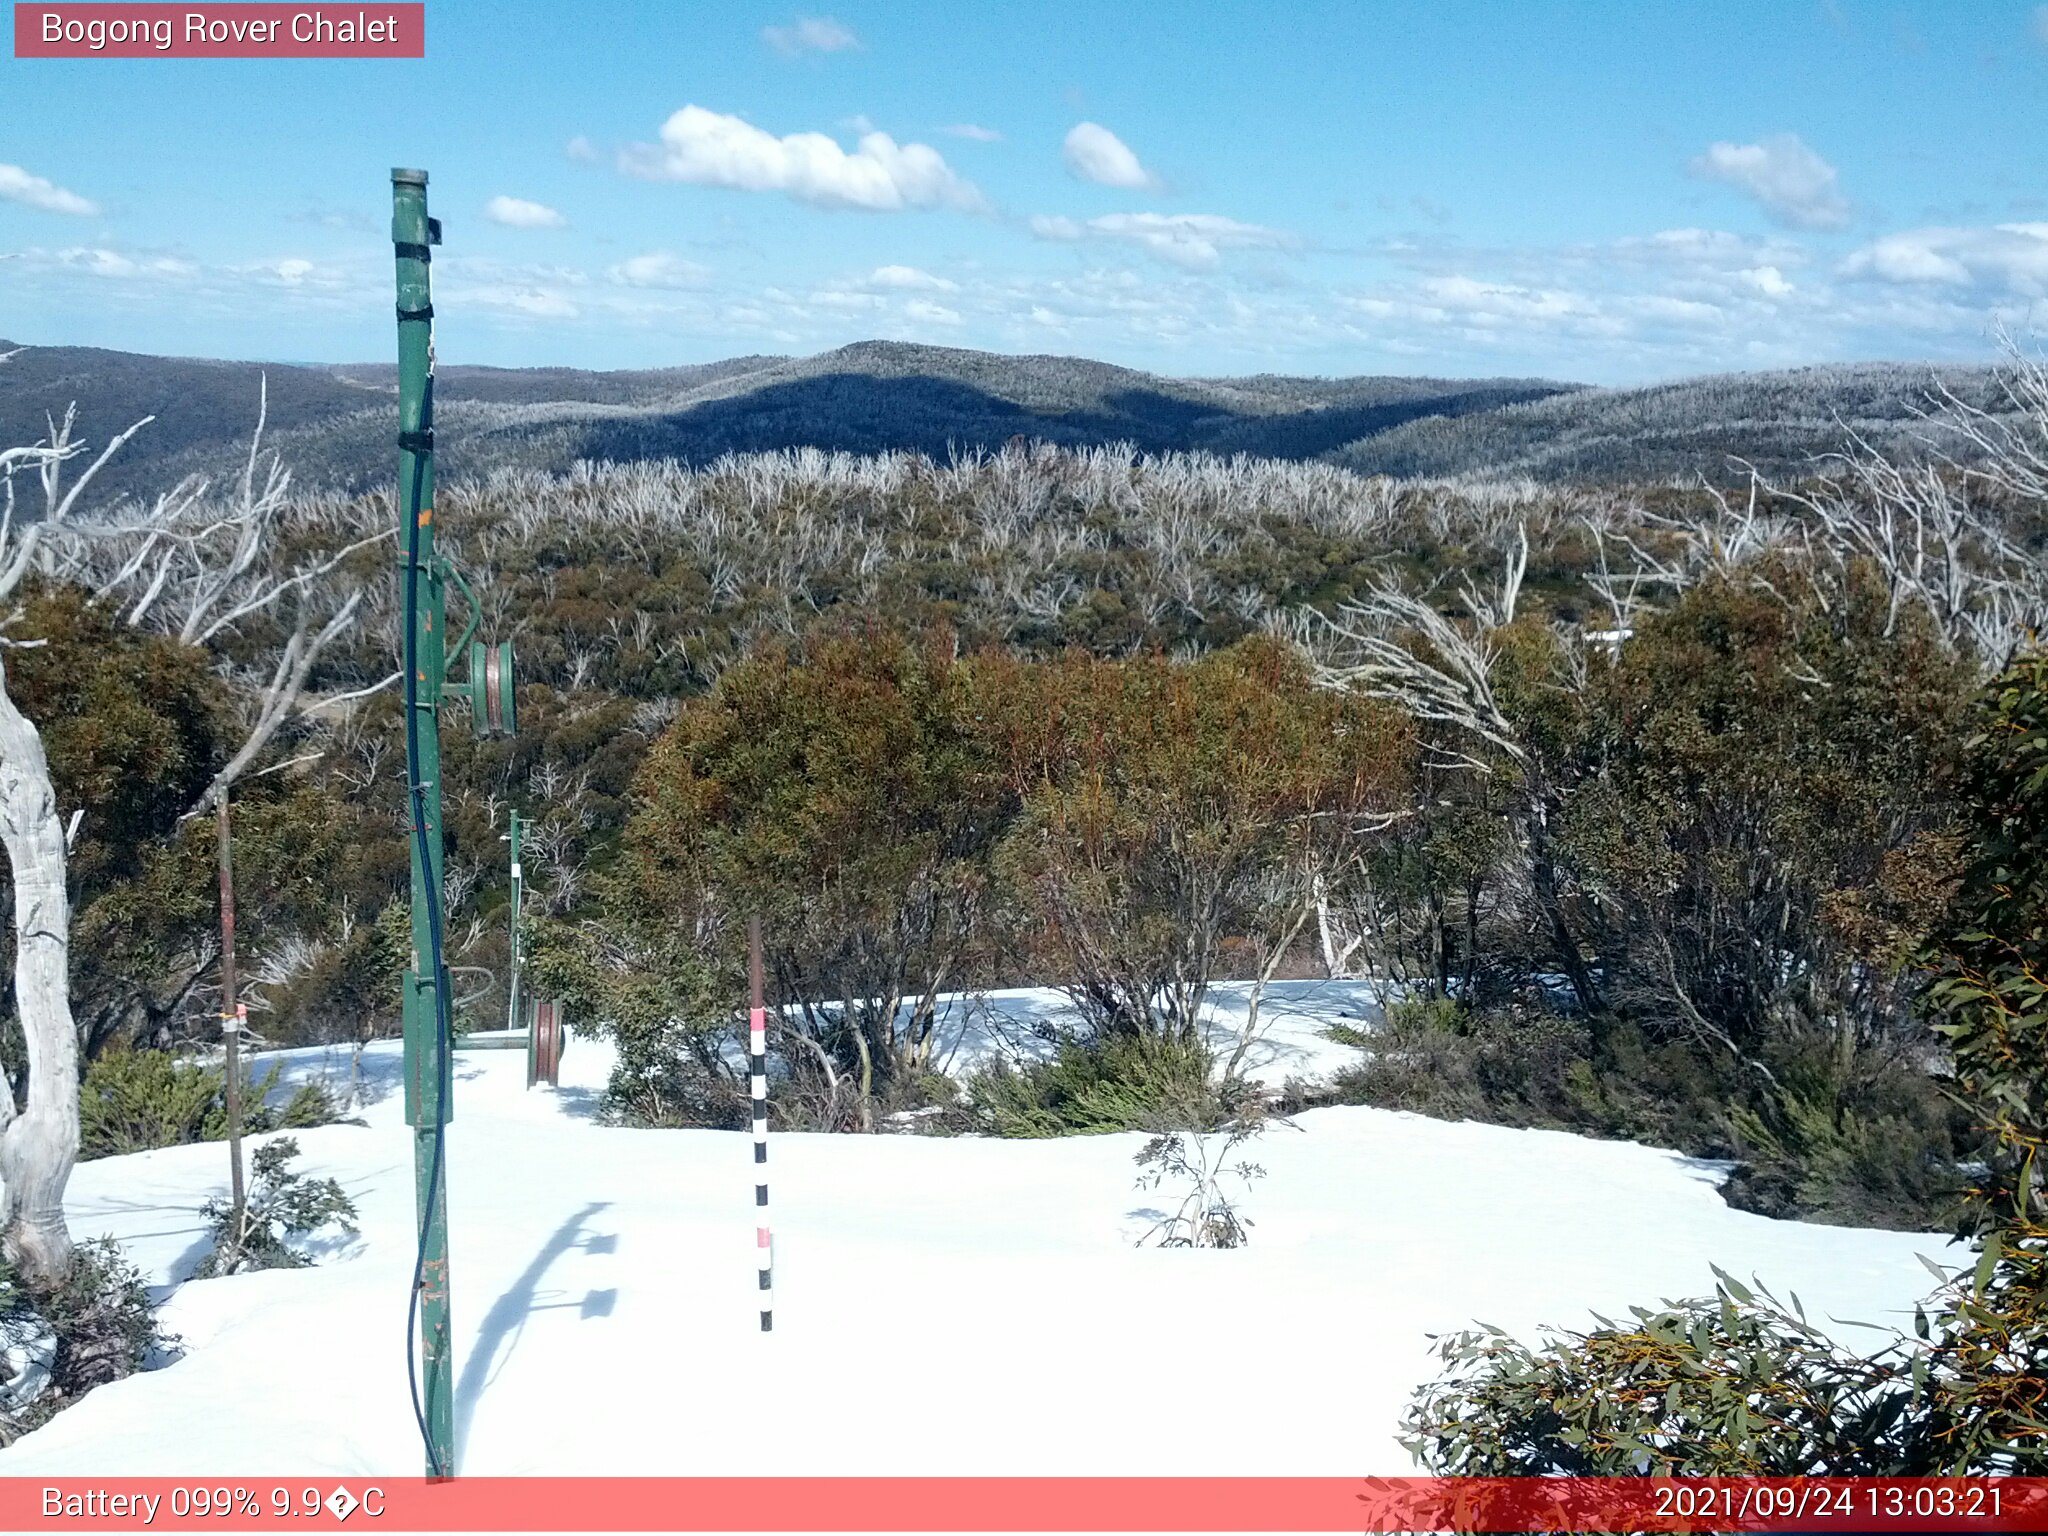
<point>200,565</point>
<point>39,1145</point>
<point>39,1142</point>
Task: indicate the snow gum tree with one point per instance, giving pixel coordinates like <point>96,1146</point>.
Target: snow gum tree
<point>199,568</point>
<point>1168,810</point>
<point>841,792</point>
<point>38,1139</point>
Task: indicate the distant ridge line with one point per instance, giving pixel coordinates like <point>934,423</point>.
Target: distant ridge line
<point>328,421</point>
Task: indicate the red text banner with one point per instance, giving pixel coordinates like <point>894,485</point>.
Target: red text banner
<point>233,31</point>
<point>1845,1505</point>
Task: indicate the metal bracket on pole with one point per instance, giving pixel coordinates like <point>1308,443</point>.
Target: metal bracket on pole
<point>490,687</point>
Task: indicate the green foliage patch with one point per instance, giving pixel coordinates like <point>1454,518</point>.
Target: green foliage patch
<point>134,1101</point>
<point>1124,1082</point>
<point>283,1205</point>
<point>1743,1383</point>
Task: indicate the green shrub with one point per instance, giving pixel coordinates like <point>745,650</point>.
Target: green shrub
<point>1433,1056</point>
<point>1164,808</point>
<point>1990,1003</point>
<point>1737,1385</point>
<point>283,1204</point>
<point>1990,995</point>
<point>1119,1083</point>
<point>135,1101</point>
<point>841,791</point>
<point>1421,1060</point>
<point>101,1321</point>
<point>1877,1145</point>
<point>1638,1086</point>
<point>105,1325</point>
<point>1743,1385</point>
<point>1879,1152</point>
<point>641,984</point>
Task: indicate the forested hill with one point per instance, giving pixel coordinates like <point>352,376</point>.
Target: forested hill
<point>1777,421</point>
<point>333,424</point>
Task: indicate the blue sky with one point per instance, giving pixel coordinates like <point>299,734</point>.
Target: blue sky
<point>1604,192</point>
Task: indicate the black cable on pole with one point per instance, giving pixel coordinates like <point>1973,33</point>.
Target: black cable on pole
<point>416,796</point>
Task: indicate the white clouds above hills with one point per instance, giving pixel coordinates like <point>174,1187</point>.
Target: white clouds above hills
<point>1193,240</point>
<point>716,149</point>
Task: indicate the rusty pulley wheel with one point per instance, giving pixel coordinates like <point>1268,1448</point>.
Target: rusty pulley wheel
<point>493,689</point>
<point>549,1028</point>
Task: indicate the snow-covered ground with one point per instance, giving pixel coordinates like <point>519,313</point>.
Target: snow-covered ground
<point>943,1306</point>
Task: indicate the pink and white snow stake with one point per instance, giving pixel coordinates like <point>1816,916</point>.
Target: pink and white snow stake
<point>757,1061</point>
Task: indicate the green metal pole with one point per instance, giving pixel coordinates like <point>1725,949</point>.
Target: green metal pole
<point>426,984</point>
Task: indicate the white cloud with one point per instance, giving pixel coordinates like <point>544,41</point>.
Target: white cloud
<point>520,289</point>
<point>1095,154</point>
<point>713,149</point>
<point>292,272</point>
<point>1498,301</point>
<point>99,261</point>
<point>1193,240</point>
<point>811,34</point>
<point>2011,256</point>
<point>518,213</point>
<point>1704,247</point>
<point>845,299</point>
<point>539,302</point>
<point>973,131</point>
<point>1658,304</point>
<point>18,186</point>
<point>1907,259</point>
<point>659,269</point>
<point>910,277</point>
<point>1795,185</point>
<point>580,148</point>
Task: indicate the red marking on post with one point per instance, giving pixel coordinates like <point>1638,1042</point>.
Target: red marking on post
<point>757,1019</point>
<point>760,1237</point>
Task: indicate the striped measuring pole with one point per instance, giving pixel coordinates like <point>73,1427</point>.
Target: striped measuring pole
<point>757,1054</point>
